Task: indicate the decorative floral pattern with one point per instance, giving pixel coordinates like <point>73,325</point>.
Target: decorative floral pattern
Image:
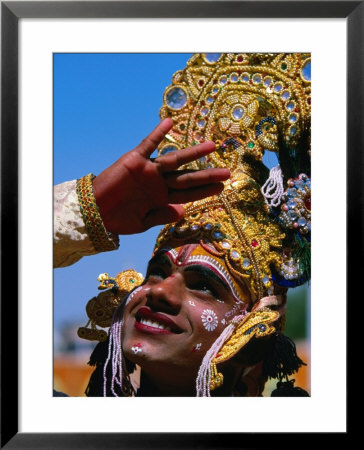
<point>209,319</point>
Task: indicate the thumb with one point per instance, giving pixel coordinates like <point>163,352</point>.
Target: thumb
<point>162,216</point>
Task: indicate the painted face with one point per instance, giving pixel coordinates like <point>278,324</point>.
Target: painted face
<point>186,301</point>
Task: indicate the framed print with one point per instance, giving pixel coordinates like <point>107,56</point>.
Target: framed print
<point>82,79</point>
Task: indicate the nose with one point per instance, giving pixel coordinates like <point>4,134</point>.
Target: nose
<point>167,295</point>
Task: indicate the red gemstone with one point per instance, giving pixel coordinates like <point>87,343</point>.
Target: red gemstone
<point>239,58</point>
<point>254,243</point>
<point>309,100</point>
<point>201,83</point>
<point>307,202</point>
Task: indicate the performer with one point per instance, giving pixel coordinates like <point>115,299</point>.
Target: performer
<point>208,318</point>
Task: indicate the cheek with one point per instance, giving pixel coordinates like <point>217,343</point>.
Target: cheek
<point>206,322</point>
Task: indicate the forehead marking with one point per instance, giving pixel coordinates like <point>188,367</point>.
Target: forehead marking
<point>185,252</point>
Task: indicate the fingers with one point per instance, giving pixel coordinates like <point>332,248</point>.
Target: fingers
<point>193,194</point>
<point>190,179</point>
<point>161,216</point>
<point>174,160</point>
<point>151,142</point>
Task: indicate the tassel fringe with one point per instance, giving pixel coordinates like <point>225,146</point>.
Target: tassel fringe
<point>281,358</point>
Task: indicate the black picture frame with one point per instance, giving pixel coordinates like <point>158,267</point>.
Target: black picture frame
<point>11,12</point>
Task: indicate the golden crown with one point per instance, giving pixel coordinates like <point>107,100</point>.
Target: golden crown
<point>247,104</point>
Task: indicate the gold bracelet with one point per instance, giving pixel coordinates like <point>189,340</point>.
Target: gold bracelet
<point>101,239</point>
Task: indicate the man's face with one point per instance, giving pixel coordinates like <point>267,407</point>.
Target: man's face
<point>186,301</point>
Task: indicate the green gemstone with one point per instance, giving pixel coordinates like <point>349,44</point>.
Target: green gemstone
<point>131,280</point>
<point>284,66</point>
<point>251,144</point>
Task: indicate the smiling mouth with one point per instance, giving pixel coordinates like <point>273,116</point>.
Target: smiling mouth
<point>154,323</point>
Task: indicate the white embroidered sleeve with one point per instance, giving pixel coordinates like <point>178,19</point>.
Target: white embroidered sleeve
<point>70,240</point>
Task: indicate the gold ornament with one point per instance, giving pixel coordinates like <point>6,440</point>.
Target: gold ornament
<point>100,309</point>
<point>255,324</point>
<point>239,101</point>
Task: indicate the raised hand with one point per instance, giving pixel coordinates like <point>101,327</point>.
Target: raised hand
<point>136,192</point>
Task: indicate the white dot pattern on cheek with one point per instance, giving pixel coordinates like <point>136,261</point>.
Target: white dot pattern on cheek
<point>191,303</point>
<point>197,347</point>
<point>234,311</point>
<point>209,319</point>
<point>132,294</point>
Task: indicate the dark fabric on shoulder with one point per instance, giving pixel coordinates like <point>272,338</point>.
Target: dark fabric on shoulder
<point>59,394</point>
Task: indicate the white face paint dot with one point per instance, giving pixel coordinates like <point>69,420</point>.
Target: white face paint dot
<point>197,347</point>
<point>191,303</point>
<point>136,349</point>
<point>209,319</point>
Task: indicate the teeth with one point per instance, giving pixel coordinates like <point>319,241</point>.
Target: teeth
<point>149,323</point>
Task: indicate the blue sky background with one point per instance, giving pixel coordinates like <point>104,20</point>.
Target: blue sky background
<point>104,105</point>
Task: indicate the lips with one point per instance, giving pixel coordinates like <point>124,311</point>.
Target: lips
<point>154,323</point>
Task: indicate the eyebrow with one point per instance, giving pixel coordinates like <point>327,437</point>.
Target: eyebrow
<point>208,273</point>
<point>160,258</point>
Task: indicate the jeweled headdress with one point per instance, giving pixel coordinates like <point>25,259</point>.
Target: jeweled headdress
<point>248,104</point>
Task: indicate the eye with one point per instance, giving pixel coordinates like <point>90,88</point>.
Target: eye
<point>205,288</point>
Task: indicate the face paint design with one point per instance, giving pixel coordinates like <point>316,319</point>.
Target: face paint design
<point>209,319</point>
<point>223,321</point>
<point>234,311</point>
<point>184,257</point>
<point>184,253</point>
<point>224,274</point>
<point>220,301</point>
<point>132,294</point>
<point>137,348</point>
<point>191,303</point>
<point>197,347</point>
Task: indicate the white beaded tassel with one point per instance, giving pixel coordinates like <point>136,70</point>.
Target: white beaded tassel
<point>204,374</point>
<point>115,351</point>
<point>272,189</point>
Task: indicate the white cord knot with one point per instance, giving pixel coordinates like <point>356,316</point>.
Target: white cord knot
<point>272,189</point>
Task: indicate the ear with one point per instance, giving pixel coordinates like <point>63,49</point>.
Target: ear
<point>275,302</point>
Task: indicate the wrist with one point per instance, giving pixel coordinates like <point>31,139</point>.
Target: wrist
<point>101,239</point>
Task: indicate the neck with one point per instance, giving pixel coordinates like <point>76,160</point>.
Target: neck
<point>157,386</point>
<point>182,385</point>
